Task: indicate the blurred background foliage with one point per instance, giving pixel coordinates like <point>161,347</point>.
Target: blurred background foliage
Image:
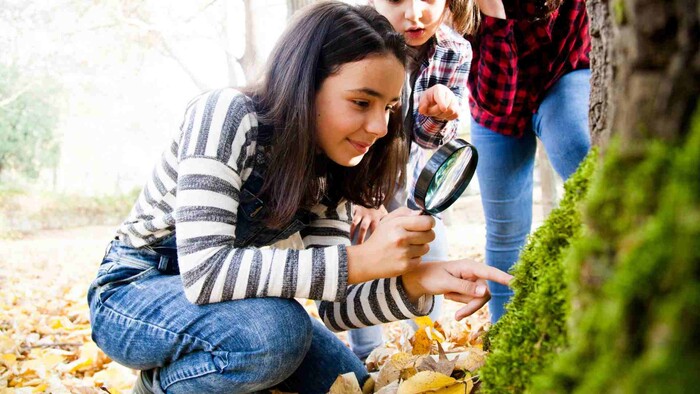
<point>90,91</point>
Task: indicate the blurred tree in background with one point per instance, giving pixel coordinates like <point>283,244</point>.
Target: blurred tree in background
<point>28,116</point>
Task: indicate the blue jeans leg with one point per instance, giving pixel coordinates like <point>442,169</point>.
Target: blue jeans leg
<point>326,359</point>
<point>142,320</point>
<point>505,180</point>
<point>561,122</point>
<point>506,164</point>
<point>364,340</point>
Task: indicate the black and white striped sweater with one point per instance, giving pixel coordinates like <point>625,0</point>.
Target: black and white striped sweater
<point>195,188</point>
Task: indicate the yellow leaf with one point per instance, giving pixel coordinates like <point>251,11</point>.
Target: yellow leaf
<point>60,322</point>
<point>115,378</point>
<point>423,321</point>
<point>7,345</point>
<point>90,357</point>
<point>421,342</point>
<point>428,381</point>
<point>9,360</point>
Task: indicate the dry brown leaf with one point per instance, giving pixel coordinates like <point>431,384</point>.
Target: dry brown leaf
<point>378,357</point>
<point>346,384</point>
<point>391,370</point>
<point>390,388</point>
<point>470,360</point>
<point>444,367</point>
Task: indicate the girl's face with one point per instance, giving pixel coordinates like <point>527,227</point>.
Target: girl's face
<point>417,20</point>
<point>353,107</point>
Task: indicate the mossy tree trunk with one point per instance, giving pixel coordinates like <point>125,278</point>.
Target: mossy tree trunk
<point>635,275</point>
<point>608,292</point>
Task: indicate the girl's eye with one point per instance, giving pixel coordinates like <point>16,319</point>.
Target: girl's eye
<point>391,108</point>
<point>360,103</point>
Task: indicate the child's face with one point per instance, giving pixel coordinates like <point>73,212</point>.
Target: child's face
<point>417,20</point>
<point>353,107</point>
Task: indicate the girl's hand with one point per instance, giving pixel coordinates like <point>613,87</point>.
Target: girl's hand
<point>439,102</point>
<point>492,8</point>
<point>460,280</point>
<point>395,247</point>
<point>364,220</point>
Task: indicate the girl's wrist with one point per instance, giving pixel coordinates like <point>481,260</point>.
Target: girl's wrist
<point>412,285</point>
<point>357,261</point>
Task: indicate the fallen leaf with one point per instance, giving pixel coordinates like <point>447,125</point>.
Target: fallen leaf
<point>431,382</point>
<point>390,388</point>
<point>392,369</point>
<point>421,342</point>
<point>378,357</point>
<point>115,377</point>
<point>346,384</point>
<point>470,360</point>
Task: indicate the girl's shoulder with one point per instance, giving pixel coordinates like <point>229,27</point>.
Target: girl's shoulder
<point>232,99</point>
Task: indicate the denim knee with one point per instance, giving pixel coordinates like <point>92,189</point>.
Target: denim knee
<point>282,346</point>
<point>275,348</point>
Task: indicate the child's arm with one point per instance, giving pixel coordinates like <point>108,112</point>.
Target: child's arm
<point>214,159</point>
<point>439,91</point>
<point>493,80</point>
<point>373,302</point>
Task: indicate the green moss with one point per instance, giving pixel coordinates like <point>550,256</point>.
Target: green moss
<point>534,326</point>
<point>618,8</point>
<point>613,304</point>
<point>635,326</point>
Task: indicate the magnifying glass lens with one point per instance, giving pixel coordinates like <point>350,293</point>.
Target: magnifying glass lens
<point>447,178</point>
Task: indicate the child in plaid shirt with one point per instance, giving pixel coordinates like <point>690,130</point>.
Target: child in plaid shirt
<point>530,81</point>
<point>435,84</point>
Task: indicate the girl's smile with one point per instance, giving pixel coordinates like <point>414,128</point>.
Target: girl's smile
<point>353,107</point>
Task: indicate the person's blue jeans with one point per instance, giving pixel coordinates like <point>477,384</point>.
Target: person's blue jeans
<point>363,340</point>
<point>141,319</point>
<point>505,171</point>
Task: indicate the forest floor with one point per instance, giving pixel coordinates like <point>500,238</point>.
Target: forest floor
<point>45,343</point>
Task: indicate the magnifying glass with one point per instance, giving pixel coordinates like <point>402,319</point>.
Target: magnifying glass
<point>445,177</point>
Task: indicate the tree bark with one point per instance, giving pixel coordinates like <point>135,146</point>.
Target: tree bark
<point>646,68</point>
<point>602,108</point>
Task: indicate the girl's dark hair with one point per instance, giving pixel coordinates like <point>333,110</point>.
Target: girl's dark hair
<point>319,40</point>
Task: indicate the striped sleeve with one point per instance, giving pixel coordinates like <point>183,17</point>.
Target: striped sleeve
<point>215,152</point>
<point>371,303</point>
<point>366,304</point>
<point>449,66</point>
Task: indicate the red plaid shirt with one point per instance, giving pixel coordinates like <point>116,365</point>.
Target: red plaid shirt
<point>516,60</point>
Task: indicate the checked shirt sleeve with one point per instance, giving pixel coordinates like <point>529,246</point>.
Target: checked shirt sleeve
<point>493,83</point>
<point>450,67</point>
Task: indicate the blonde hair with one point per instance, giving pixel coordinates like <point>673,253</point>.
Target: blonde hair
<point>464,16</point>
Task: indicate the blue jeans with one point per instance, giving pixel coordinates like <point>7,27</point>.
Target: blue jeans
<point>141,319</point>
<point>364,340</point>
<point>506,165</point>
